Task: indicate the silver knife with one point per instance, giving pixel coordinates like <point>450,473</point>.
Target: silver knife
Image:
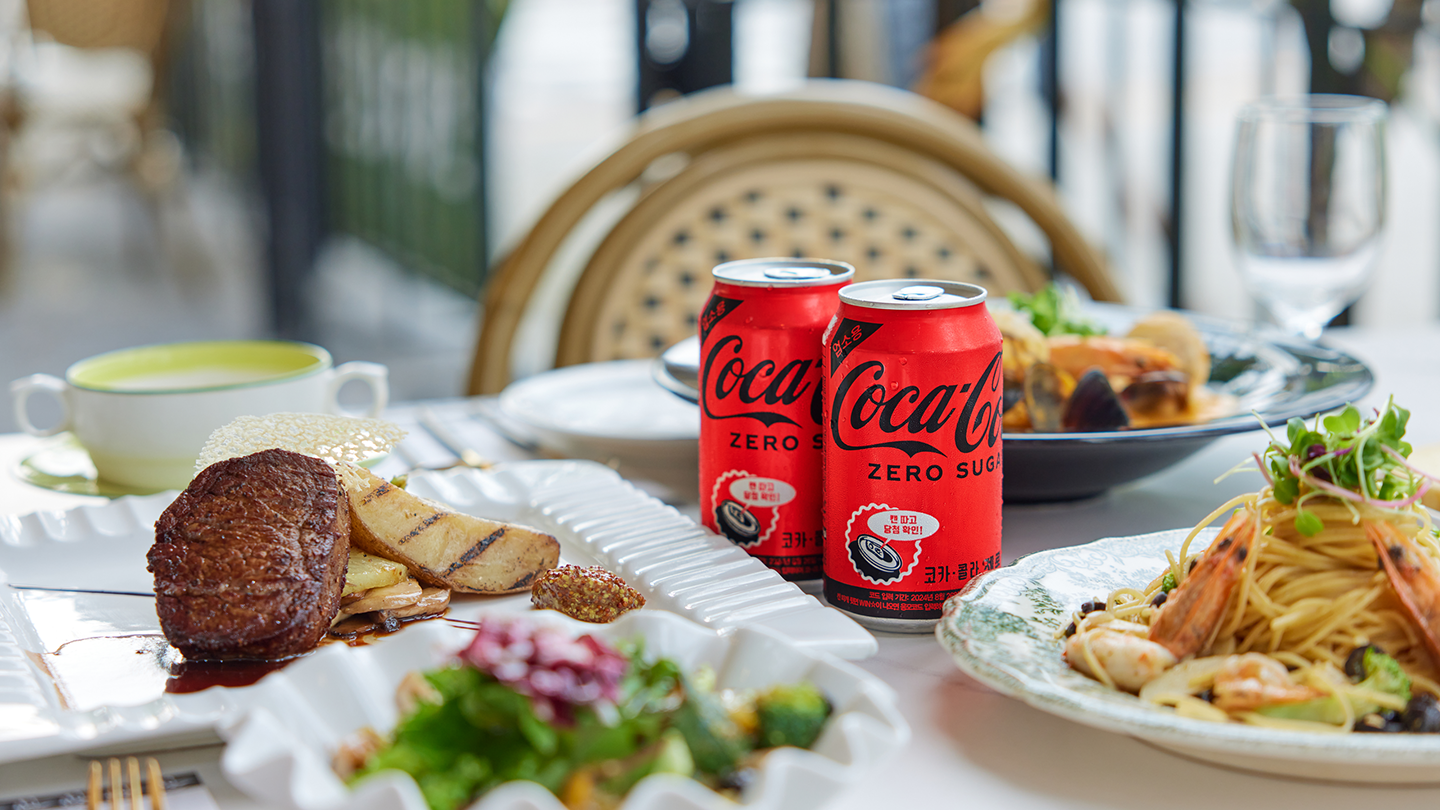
<point>486,411</point>
<point>469,456</point>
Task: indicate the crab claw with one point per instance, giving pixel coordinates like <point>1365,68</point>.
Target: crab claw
<point>1415,580</point>
<point>1192,612</point>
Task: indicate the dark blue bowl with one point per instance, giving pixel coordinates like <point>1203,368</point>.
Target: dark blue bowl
<point>1271,375</point>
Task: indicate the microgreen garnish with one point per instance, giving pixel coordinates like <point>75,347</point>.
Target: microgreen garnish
<point>1346,457</point>
<point>1055,311</point>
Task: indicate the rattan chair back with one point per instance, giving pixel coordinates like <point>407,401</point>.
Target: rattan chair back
<point>882,179</point>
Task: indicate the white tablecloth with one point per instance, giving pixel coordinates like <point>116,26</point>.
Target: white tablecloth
<point>971,746</point>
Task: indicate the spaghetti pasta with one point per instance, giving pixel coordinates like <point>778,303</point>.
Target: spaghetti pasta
<point>1263,626</point>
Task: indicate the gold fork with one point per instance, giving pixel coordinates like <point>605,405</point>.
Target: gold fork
<point>154,784</point>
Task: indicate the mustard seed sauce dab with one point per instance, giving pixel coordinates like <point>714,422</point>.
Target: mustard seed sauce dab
<point>590,594</point>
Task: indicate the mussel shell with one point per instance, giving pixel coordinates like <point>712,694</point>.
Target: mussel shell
<point>1158,392</point>
<point>1014,395</point>
<point>1094,406</point>
<point>1044,397</point>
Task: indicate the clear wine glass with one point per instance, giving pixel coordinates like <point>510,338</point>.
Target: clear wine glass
<point>1308,204</point>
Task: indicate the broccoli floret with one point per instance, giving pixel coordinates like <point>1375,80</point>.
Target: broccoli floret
<point>1372,668</point>
<point>1383,674</point>
<point>791,714</point>
<point>1168,583</point>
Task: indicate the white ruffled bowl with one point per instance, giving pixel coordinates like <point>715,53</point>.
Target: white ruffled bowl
<point>279,751</point>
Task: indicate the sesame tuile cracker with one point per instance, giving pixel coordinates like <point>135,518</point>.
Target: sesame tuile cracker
<point>331,438</point>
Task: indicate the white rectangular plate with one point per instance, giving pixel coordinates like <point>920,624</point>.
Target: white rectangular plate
<point>598,517</point>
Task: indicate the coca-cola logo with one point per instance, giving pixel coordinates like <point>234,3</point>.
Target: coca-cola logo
<point>732,387</point>
<point>863,403</point>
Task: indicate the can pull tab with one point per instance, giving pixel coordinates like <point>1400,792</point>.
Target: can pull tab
<point>795,273</point>
<point>917,292</point>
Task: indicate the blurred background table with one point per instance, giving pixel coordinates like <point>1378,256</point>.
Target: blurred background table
<point>971,744</point>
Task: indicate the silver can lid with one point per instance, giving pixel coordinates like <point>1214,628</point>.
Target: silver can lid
<point>784,272</point>
<point>911,293</point>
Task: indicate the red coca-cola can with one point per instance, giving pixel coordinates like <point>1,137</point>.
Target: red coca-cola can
<point>760,403</point>
<point>913,390</point>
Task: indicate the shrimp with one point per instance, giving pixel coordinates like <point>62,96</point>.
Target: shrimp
<point>1249,681</point>
<point>1121,360</point>
<point>1191,614</point>
<point>1129,654</point>
<point>1118,651</point>
<point>1414,577</point>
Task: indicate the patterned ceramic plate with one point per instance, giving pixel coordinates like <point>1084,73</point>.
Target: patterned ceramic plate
<point>1003,631</point>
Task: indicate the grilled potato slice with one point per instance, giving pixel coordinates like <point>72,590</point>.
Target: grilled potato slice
<point>391,597</point>
<point>431,602</point>
<point>443,548</point>
<point>367,571</point>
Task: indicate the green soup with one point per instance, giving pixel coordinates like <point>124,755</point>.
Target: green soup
<point>198,366</point>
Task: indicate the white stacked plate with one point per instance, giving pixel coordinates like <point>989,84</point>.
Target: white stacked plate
<point>614,413</point>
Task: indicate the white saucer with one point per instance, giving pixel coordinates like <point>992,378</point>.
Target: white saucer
<point>614,413</point>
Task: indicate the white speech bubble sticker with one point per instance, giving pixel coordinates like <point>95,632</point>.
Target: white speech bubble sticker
<point>899,524</point>
<point>762,492</point>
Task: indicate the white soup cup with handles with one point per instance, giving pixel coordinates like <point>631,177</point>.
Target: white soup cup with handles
<point>144,413</point>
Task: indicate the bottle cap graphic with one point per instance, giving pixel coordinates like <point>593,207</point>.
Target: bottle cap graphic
<point>874,558</point>
<point>737,523</point>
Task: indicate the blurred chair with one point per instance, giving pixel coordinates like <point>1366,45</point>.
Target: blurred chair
<point>954,72</point>
<point>89,85</point>
<point>87,93</point>
<point>886,180</point>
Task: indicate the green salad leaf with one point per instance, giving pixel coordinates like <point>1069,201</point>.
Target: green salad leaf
<point>1055,311</point>
<point>579,717</point>
<point>483,733</point>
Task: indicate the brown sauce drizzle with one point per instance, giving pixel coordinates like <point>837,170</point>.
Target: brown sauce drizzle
<point>354,631</point>
<point>93,671</point>
<point>194,676</point>
<point>360,630</point>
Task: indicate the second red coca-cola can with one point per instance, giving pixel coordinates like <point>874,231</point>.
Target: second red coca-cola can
<point>912,416</point>
<point>760,407</point>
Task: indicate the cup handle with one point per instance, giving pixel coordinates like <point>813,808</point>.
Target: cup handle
<point>20,391</point>
<point>374,375</point>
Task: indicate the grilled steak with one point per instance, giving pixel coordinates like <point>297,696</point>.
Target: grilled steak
<point>249,561</point>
